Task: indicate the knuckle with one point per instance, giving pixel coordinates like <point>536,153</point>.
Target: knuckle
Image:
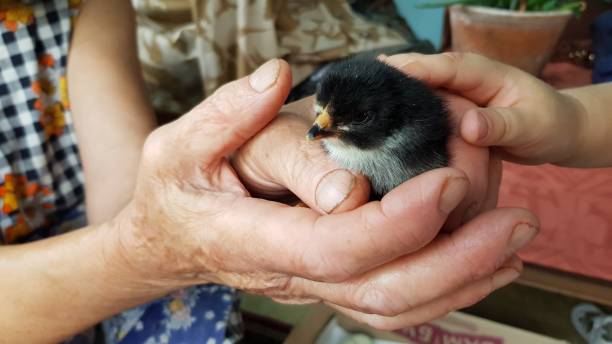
<point>155,144</point>
<point>396,240</point>
<point>302,264</point>
<point>319,267</point>
<point>401,240</point>
<point>412,240</point>
<point>323,260</point>
<point>368,227</point>
<point>506,128</point>
<point>473,269</point>
<point>220,103</point>
<point>217,115</point>
<point>297,170</point>
<point>285,285</point>
<point>214,113</point>
<point>334,272</point>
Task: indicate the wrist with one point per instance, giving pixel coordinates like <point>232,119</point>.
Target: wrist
<point>128,260</point>
<point>151,251</point>
<point>574,150</point>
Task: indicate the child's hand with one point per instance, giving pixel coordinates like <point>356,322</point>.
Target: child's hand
<point>532,122</point>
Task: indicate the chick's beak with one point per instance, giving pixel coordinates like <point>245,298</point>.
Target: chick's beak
<point>321,126</point>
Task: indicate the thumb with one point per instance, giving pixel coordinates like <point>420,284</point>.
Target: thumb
<point>322,185</point>
<point>309,172</point>
<point>272,170</point>
<point>280,160</point>
<point>233,114</point>
<point>503,127</point>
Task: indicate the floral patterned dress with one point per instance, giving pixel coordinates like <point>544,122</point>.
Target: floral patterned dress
<point>41,179</point>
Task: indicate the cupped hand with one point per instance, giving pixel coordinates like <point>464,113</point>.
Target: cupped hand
<point>279,162</point>
<point>530,121</point>
<point>192,221</point>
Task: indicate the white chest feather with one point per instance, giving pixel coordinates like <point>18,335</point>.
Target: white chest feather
<point>381,166</point>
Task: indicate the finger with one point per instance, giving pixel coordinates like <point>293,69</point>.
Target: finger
<point>450,262</point>
<point>336,191</point>
<point>464,297</point>
<point>290,300</point>
<point>494,181</point>
<point>473,76</point>
<point>505,127</point>
<point>471,159</point>
<point>334,247</point>
<point>233,114</point>
<point>474,161</point>
<point>271,169</point>
<point>308,172</point>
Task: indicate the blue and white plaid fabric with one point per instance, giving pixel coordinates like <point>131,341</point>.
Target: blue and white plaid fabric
<point>38,152</point>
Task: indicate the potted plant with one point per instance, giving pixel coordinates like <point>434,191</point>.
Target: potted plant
<point>522,33</point>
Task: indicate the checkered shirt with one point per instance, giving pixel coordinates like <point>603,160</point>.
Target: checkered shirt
<point>41,180</point>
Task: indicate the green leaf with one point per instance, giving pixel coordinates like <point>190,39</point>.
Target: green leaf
<point>549,5</point>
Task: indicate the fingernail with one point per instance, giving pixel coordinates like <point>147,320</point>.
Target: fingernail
<point>483,126</point>
<point>265,76</point>
<point>452,194</point>
<point>333,189</point>
<point>504,277</point>
<point>523,234</point>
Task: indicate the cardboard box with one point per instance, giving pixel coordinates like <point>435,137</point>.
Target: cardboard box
<point>324,326</point>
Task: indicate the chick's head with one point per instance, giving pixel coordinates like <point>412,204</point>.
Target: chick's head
<point>363,102</point>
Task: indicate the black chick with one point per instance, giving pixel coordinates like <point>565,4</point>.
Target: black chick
<point>375,120</point>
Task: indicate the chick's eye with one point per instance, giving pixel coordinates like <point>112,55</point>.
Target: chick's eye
<point>364,118</point>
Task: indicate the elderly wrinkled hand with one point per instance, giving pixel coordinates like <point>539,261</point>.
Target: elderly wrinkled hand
<point>192,221</point>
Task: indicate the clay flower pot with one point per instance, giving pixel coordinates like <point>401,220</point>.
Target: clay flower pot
<point>522,39</point>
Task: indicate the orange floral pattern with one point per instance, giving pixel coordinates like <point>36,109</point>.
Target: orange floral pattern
<point>15,188</point>
<point>41,186</point>
<point>63,88</point>
<point>19,230</point>
<point>52,95</point>
<point>17,16</point>
<point>53,120</point>
<point>46,60</point>
<point>74,3</point>
<point>11,191</point>
<point>22,197</point>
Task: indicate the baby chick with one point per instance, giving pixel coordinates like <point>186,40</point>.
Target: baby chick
<point>375,120</point>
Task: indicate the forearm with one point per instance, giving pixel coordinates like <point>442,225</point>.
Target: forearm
<point>53,288</point>
<point>595,130</point>
<point>111,111</point>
